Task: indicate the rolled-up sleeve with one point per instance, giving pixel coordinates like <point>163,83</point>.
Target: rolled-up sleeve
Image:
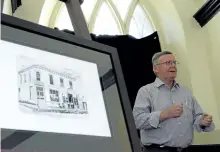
<point>197,113</point>
<point>143,117</point>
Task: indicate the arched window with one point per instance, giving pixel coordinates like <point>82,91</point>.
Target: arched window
<point>140,25</point>
<point>38,76</point>
<point>122,7</point>
<point>63,20</point>
<point>105,22</point>
<point>87,8</point>
<point>112,17</point>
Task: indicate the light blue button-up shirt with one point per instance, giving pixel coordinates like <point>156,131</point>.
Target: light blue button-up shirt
<point>175,132</point>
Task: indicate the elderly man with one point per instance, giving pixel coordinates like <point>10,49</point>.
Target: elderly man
<point>166,112</point>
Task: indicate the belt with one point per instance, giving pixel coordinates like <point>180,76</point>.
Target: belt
<point>178,149</point>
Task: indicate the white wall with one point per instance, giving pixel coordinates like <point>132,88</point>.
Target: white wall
<point>7,7</point>
<point>213,28</point>
<point>30,10</point>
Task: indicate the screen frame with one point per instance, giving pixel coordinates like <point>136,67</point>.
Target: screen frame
<point>27,26</point>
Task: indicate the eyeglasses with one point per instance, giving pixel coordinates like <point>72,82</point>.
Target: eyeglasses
<point>169,63</point>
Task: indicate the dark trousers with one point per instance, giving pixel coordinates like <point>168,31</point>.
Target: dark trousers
<point>163,149</point>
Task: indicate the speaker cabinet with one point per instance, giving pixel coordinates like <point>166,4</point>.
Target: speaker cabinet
<point>207,12</point>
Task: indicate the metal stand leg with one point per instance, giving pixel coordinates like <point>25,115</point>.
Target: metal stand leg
<point>77,18</point>
<point>2,5</point>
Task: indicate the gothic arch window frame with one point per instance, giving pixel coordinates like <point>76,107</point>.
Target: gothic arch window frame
<point>133,7</point>
<point>147,15</point>
<point>58,12</point>
<point>115,14</point>
<point>123,25</point>
<point>55,14</point>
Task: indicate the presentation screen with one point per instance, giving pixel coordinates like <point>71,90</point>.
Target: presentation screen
<point>61,93</point>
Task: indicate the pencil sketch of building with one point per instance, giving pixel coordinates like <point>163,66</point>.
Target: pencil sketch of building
<point>45,90</point>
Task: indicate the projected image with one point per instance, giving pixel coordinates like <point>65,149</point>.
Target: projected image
<point>42,88</point>
<point>49,92</point>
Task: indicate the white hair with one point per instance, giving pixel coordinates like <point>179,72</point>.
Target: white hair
<point>156,56</point>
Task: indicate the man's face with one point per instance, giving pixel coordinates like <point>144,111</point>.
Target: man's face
<point>166,68</point>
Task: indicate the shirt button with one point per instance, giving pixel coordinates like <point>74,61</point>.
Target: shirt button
<point>179,123</point>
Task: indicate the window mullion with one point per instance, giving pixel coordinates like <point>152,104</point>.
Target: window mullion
<point>129,16</point>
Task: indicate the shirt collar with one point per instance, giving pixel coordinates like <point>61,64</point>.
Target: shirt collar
<point>159,83</point>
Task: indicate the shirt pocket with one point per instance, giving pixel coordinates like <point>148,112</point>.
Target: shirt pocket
<point>161,106</point>
<point>161,103</point>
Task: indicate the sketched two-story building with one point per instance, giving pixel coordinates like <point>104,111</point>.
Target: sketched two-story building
<point>44,89</point>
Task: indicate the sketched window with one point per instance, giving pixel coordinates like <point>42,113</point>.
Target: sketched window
<point>71,84</point>
<point>51,79</point>
<point>61,82</point>
<point>84,105</point>
<point>54,95</point>
<point>38,76</point>
<point>40,93</point>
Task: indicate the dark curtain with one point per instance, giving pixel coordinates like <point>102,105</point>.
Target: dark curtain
<point>15,4</point>
<point>135,57</point>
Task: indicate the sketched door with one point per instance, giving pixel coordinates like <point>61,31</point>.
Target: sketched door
<point>40,96</point>
<point>70,102</point>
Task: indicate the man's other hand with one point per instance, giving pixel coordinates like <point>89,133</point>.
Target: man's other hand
<point>206,120</point>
